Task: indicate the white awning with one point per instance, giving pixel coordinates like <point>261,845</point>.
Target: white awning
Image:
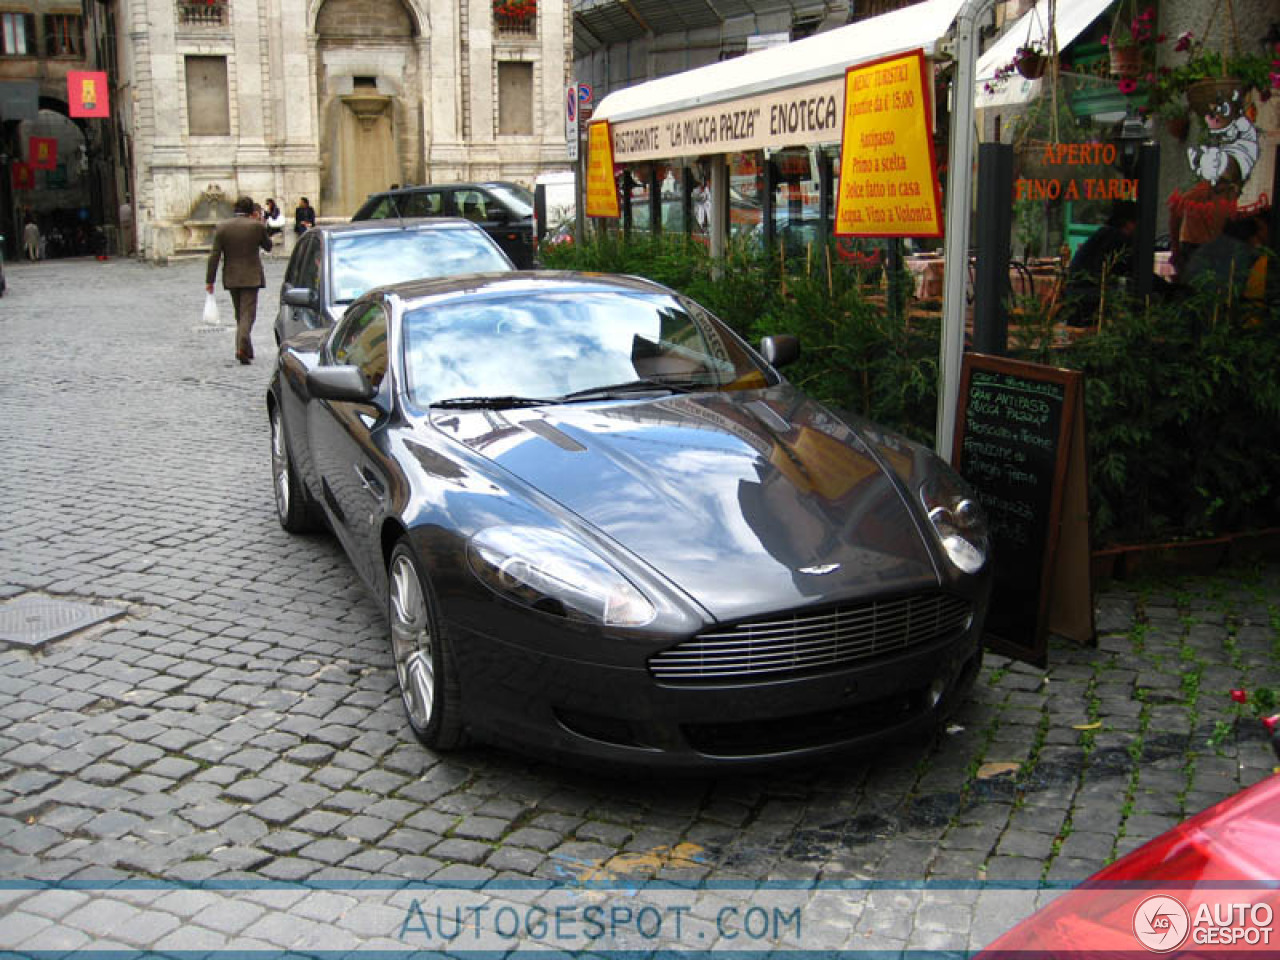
<point>824,56</point>
<point>1074,17</point>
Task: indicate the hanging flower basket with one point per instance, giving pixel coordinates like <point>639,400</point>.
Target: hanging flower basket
<point>1204,95</point>
<point>1125,61</point>
<point>1031,64</point>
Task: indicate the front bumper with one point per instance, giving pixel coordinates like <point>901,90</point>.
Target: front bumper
<point>517,694</point>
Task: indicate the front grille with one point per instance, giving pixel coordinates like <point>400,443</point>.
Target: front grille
<point>809,642</point>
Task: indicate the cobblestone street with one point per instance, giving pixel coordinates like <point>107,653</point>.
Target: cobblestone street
<point>237,719</point>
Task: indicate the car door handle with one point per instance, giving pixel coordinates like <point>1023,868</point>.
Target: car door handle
<point>371,483</point>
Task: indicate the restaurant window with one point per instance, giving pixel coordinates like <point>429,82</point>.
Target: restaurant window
<point>19,34</point>
<point>746,193</point>
<point>208,110</point>
<point>515,98</point>
<point>63,35</point>
<point>797,223</point>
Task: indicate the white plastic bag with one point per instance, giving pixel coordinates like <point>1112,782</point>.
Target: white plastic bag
<point>211,310</point>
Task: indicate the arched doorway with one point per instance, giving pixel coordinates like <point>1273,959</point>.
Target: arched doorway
<point>367,59</point>
<point>62,200</point>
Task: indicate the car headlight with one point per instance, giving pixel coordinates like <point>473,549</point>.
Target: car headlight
<point>554,573</point>
<point>958,519</point>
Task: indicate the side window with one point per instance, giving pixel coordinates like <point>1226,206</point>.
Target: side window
<point>470,204</point>
<point>382,209</point>
<point>422,204</point>
<point>308,254</point>
<point>361,340</point>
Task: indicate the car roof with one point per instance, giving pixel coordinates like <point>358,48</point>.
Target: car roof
<point>392,224</point>
<point>419,293</point>
<point>414,188</point>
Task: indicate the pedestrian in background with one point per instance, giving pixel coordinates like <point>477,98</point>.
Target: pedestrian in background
<point>274,217</point>
<point>237,243</point>
<point>304,217</point>
<point>31,239</point>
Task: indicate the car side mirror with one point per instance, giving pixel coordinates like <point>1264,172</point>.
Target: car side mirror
<point>780,349</point>
<point>343,383</point>
<point>303,297</point>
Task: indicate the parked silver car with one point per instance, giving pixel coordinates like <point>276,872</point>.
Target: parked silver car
<point>332,266</point>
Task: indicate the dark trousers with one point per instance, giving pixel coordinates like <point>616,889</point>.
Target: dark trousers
<point>245,300</point>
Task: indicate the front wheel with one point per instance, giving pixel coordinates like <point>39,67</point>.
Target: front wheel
<point>424,665</point>
<point>292,508</point>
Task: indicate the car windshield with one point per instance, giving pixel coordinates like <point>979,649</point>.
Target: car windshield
<point>517,198</point>
<point>549,345</point>
<point>362,261</point>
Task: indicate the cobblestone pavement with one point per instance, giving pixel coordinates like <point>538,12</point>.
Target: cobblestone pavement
<point>239,721</point>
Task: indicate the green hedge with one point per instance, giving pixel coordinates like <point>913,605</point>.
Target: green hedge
<point>1182,403</point>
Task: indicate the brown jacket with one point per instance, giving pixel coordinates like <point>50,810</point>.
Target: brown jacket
<point>238,241</point>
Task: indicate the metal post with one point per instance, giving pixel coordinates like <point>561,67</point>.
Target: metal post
<point>1144,238</point>
<point>686,199</point>
<point>991,284</point>
<point>719,206</point>
<point>893,268</point>
<point>767,213</point>
<point>956,246</point>
<point>826,202</point>
<point>655,200</point>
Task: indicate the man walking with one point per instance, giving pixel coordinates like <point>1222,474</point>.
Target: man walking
<point>237,241</point>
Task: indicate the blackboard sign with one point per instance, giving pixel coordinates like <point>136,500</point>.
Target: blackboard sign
<point>1020,443</point>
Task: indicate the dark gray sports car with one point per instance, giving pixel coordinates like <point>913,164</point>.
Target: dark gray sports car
<point>603,525</point>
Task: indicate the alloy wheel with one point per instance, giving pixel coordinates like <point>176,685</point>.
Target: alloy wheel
<point>412,643</point>
<point>279,465</point>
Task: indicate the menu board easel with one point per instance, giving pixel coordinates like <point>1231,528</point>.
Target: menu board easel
<point>1020,442</point>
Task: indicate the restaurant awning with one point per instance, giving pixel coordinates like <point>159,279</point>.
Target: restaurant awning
<point>1073,18</point>
<point>801,76</point>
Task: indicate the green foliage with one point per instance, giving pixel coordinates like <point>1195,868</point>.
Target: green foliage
<point>1183,420</point>
<point>1182,403</point>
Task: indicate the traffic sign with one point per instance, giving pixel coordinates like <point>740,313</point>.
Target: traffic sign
<point>571,120</point>
<point>584,93</point>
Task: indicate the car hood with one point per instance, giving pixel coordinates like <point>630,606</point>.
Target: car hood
<point>748,500</point>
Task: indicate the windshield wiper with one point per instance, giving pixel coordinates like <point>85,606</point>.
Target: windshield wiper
<point>631,387</point>
<point>490,403</point>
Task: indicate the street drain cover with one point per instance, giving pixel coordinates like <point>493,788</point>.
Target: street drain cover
<point>31,622</point>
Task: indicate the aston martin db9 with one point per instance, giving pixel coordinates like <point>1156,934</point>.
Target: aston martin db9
<point>602,525</point>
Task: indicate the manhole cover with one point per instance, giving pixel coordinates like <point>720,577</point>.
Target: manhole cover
<point>31,622</point>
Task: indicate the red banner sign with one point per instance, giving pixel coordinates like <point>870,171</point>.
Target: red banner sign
<point>42,153</point>
<point>87,94</point>
<point>24,178</point>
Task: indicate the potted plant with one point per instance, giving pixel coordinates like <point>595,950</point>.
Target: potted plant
<point>1206,76</point>
<point>515,11</point>
<point>1030,60</point>
<point>1130,41</point>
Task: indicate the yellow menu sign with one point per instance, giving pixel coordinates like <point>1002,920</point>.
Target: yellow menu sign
<point>888,176</point>
<point>602,189</point>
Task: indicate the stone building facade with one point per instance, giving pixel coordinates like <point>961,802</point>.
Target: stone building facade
<point>330,100</point>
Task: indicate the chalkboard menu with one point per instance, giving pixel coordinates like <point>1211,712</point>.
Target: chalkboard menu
<point>1020,443</point>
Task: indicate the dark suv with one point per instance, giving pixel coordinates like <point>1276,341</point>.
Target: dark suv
<point>503,210</point>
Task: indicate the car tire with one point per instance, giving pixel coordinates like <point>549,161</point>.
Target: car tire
<point>424,662</point>
<point>293,508</point>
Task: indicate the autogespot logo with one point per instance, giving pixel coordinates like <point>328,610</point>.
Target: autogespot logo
<point>1161,923</point>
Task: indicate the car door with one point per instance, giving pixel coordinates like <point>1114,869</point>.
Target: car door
<point>352,472</point>
<point>507,227</point>
<point>306,273</point>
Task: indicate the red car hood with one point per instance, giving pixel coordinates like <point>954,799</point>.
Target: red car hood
<point>1225,857</point>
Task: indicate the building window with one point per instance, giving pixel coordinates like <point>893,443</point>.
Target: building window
<point>205,13</point>
<point>19,34</point>
<point>63,35</point>
<point>208,106</point>
<point>515,98</point>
